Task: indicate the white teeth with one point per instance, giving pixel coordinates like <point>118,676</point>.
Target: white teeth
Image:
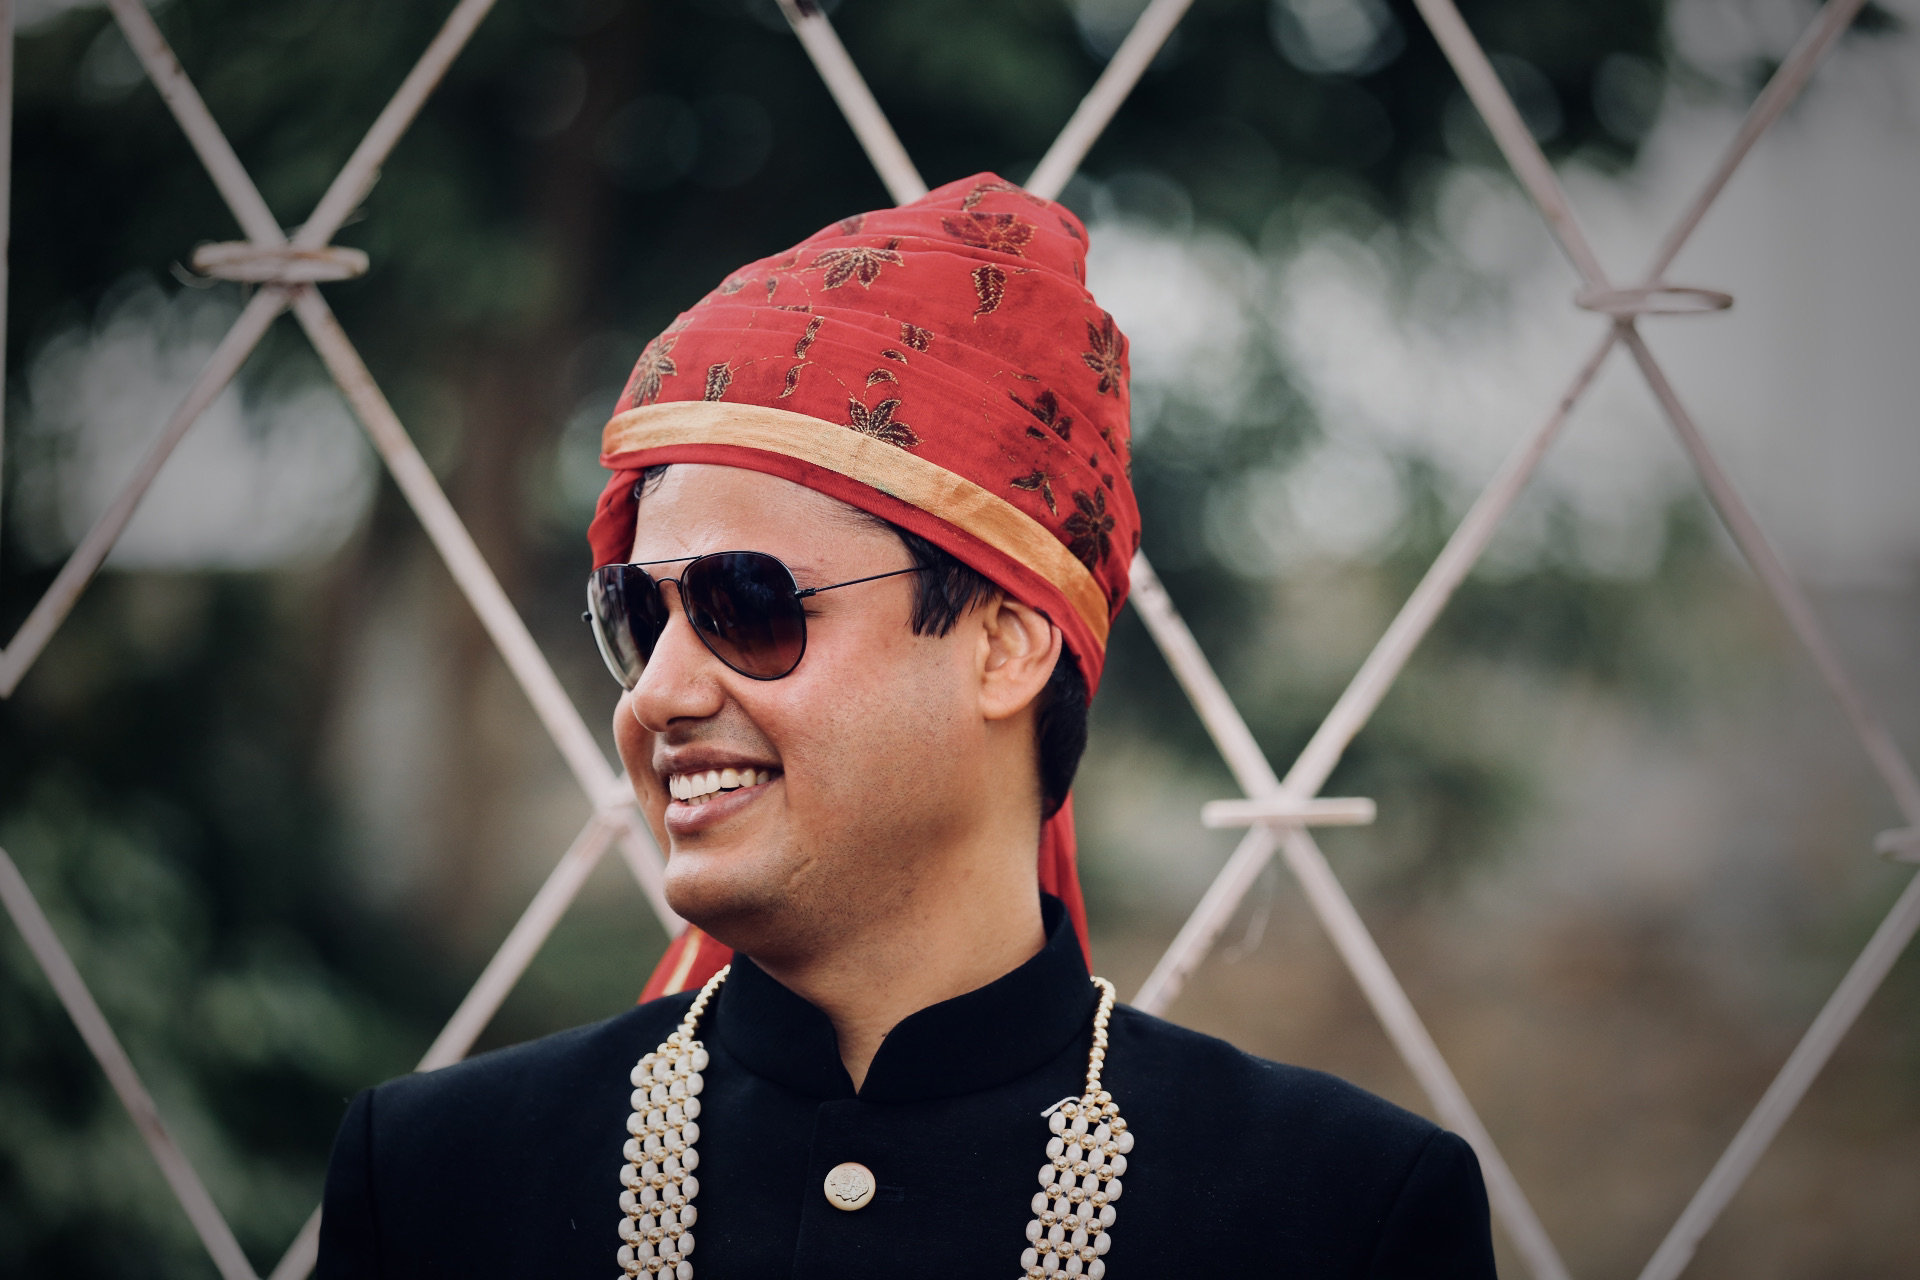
<point>690,787</point>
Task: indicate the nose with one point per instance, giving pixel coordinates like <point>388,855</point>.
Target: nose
<point>681,678</point>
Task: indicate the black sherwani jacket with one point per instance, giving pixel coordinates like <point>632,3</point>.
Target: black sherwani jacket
<point>508,1165</point>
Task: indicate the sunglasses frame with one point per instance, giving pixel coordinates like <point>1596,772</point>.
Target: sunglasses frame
<point>591,615</point>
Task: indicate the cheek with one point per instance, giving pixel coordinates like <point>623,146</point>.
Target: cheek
<point>886,726</point>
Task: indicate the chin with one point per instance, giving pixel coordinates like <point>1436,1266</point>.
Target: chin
<point>727,901</point>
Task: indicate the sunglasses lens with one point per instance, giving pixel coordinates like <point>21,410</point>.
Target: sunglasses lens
<point>743,605</point>
<point>628,617</point>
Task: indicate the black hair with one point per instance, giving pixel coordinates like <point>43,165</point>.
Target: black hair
<point>943,591</point>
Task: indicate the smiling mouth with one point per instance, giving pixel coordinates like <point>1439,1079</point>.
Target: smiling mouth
<point>697,788</point>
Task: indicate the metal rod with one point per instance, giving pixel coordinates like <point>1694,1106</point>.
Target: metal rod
<point>298,1261</point>
<point>510,636</point>
<point>58,601</point>
<point>469,568</point>
<point>1329,902</point>
<point>1383,665</point>
<point>1362,695</point>
<point>92,1024</point>
<point>357,176</point>
<point>230,176</point>
<point>1790,1086</point>
<point>1887,758</point>
<point>856,100</point>
<point>1090,119</point>
<point>443,526</point>
<point>215,152</point>
<point>1222,719</point>
<point>1376,675</point>
<point>1511,134</point>
<point>1781,89</point>
<point>410,471</point>
<point>1202,929</point>
<point>522,943</point>
<point>1422,1056</point>
<point>456,545</point>
<point>489,990</point>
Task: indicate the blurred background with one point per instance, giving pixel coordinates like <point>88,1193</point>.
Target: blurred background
<point>282,799</point>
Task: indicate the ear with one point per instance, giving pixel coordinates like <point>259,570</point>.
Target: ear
<point>1018,649</point>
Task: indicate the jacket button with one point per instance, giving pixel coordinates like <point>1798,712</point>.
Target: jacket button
<point>849,1186</point>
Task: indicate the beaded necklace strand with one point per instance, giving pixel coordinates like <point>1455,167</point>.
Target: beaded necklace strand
<point>1072,1212</point>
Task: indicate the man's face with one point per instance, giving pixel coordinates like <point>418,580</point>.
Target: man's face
<point>874,747</point>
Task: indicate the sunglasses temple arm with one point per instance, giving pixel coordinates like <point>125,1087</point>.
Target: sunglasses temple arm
<point>854,582</point>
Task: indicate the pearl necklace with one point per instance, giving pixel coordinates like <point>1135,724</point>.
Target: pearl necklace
<point>1072,1212</point>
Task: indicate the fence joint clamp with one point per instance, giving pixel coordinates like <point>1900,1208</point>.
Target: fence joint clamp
<point>1285,810</point>
<point>1656,299</point>
<point>1902,844</point>
<point>253,263</point>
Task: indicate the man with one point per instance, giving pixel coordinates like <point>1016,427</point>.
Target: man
<point>869,524</point>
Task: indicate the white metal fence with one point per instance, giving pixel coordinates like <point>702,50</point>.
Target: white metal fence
<point>1276,810</point>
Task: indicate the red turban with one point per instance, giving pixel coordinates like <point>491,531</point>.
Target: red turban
<point>940,365</point>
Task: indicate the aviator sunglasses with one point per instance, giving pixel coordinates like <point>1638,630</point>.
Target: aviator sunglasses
<point>744,606</point>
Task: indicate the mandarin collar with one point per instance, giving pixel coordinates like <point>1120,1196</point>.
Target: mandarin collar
<point>990,1036</point>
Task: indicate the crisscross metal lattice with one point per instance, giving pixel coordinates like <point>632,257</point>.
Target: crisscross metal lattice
<point>1277,810</point>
